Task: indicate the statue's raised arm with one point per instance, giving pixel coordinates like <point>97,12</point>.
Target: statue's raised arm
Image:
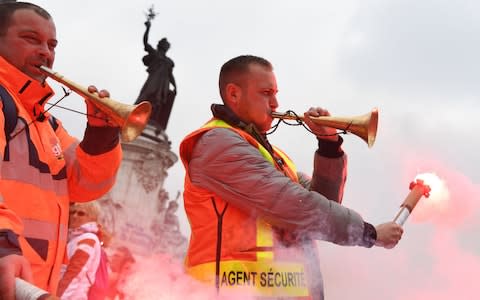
<point>146,45</point>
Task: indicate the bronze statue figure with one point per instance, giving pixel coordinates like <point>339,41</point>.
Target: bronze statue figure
<point>156,88</point>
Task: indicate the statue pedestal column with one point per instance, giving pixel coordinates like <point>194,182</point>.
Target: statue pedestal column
<point>138,211</point>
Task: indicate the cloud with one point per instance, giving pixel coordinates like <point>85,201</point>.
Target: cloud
<point>422,46</point>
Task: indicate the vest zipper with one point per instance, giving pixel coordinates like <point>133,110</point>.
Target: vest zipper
<point>218,255</point>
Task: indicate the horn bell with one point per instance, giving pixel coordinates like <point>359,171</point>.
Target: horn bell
<point>363,126</point>
<point>132,119</point>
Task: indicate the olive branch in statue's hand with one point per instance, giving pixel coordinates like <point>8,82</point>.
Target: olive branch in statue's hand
<point>150,15</point>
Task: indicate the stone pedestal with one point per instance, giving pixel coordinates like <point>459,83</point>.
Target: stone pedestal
<point>138,211</point>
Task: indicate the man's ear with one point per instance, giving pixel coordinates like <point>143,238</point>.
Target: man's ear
<point>233,94</point>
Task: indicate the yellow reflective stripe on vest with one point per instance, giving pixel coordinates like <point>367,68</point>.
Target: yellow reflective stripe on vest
<point>264,239</point>
<point>259,279</point>
<point>217,123</point>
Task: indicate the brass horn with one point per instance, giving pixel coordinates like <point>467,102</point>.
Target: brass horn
<point>132,119</point>
<point>364,126</point>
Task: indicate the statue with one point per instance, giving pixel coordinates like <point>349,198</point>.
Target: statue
<point>156,88</point>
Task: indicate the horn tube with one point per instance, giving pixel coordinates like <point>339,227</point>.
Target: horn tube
<point>132,119</point>
<point>364,126</point>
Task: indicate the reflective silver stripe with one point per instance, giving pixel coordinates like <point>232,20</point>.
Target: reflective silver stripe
<point>31,175</point>
<point>1,199</point>
<point>89,185</point>
<point>44,230</point>
<point>76,170</point>
<point>63,232</point>
<point>18,168</point>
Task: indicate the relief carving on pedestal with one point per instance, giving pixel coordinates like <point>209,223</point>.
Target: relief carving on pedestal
<point>150,172</point>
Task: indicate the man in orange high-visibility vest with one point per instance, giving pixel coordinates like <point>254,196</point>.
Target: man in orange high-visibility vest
<point>43,168</point>
<point>253,217</point>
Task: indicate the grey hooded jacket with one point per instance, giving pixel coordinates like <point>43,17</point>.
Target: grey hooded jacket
<point>224,163</point>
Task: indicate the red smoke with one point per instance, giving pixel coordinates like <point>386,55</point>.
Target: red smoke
<point>162,277</point>
<point>453,197</point>
<point>438,257</point>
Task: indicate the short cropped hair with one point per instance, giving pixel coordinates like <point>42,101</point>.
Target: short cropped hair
<point>7,8</point>
<point>232,70</point>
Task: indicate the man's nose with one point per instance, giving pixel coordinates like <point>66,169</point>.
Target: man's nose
<point>45,51</point>
<point>273,102</point>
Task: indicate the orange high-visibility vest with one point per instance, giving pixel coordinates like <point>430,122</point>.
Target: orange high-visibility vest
<point>230,249</point>
<point>40,175</point>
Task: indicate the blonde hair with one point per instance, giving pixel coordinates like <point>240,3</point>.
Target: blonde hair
<point>92,210</point>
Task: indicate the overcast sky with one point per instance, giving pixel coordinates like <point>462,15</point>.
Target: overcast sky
<point>414,60</point>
